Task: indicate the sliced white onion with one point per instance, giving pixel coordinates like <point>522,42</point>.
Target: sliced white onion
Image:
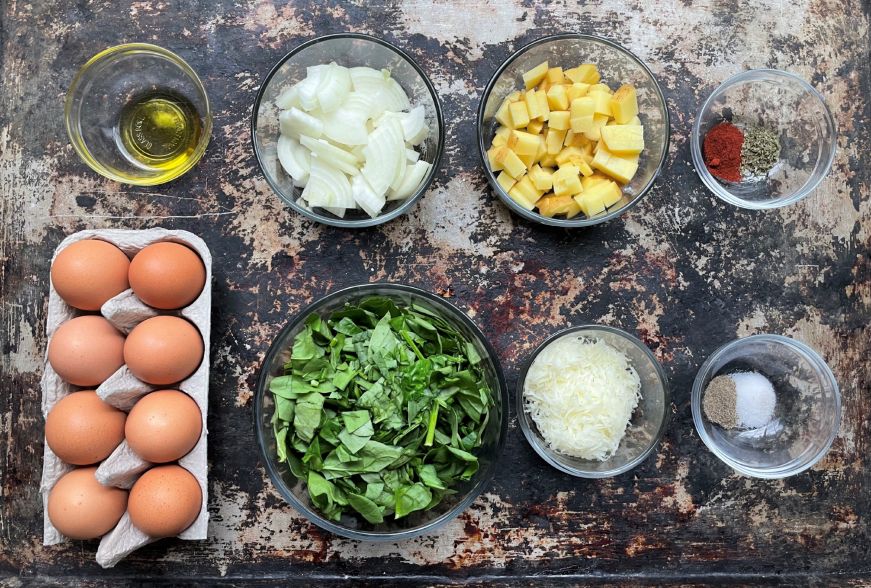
<point>334,87</point>
<point>327,186</point>
<point>394,96</point>
<point>294,158</point>
<point>308,88</point>
<point>337,210</point>
<point>385,156</point>
<point>329,153</point>
<point>414,126</point>
<point>289,98</point>
<point>365,197</point>
<point>412,155</point>
<point>411,179</point>
<point>295,122</point>
<point>347,125</point>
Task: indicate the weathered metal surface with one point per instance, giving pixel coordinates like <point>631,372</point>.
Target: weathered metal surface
<point>683,270</point>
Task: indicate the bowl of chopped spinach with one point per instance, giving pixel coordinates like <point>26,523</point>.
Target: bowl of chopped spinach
<point>380,412</point>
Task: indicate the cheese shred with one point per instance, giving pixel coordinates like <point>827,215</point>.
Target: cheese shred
<point>581,394</point>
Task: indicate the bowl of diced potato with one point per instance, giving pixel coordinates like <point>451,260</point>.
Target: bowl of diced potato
<point>573,130</point>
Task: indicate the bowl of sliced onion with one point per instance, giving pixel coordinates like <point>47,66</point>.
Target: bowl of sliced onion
<point>348,130</point>
<point>593,401</point>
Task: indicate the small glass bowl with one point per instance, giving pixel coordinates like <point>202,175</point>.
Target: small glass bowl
<point>786,104</point>
<point>806,417</point>
<point>649,421</point>
<point>105,85</point>
<point>618,66</point>
<point>418,523</point>
<point>349,50</point>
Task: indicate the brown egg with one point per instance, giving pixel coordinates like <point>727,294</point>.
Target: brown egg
<point>82,429</point>
<point>82,508</point>
<point>163,350</point>
<point>164,426</point>
<point>88,273</point>
<point>86,350</point>
<point>165,501</point>
<point>167,275</point>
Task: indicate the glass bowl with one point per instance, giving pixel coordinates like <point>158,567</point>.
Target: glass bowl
<point>649,421</point>
<point>806,416</point>
<point>111,81</point>
<point>617,66</point>
<point>791,108</point>
<point>349,50</point>
<point>294,490</point>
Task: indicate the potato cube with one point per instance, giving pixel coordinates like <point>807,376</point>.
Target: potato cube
<point>515,96</point>
<point>532,78</point>
<point>519,114</point>
<point>570,136</point>
<point>592,180</point>
<point>553,205</point>
<point>590,204</point>
<point>586,73</point>
<point>601,88</point>
<point>523,143</point>
<point>532,104</point>
<point>557,98</point>
<point>599,121</point>
<point>559,120</point>
<point>505,181</point>
<point>633,121</point>
<point>569,155</point>
<point>535,126</point>
<point>619,167</point>
<point>503,115</point>
<point>624,104</point>
<point>607,193</point>
<point>555,140</point>
<point>548,160</point>
<point>543,106</point>
<point>542,179</point>
<point>498,141</point>
<point>601,103</point>
<point>583,106</point>
<point>503,132</point>
<point>555,75</point>
<point>544,86</point>
<point>527,160</point>
<point>493,157</point>
<point>567,181</point>
<point>542,148</point>
<point>582,124</point>
<point>623,139</point>
<point>577,90</point>
<point>510,162</point>
<point>524,193</point>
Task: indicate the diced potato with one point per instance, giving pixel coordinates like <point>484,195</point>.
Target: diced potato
<point>510,162</point>
<point>569,156</point>
<point>542,148</point>
<point>548,160</point>
<point>586,73</point>
<point>577,90</point>
<point>602,194</point>
<point>532,78</point>
<point>567,181</point>
<point>524,193</point>
<point>619,167</point>
<point>555,140</point>
<point>582,124</point>
<point>523,143</point>
<point>552,205</point>
<point>624,104</point>
<point>590,204</point>
<point>519,114</point>
<point>555,75</point>
<point>515,96</point>
<point>557,98</point>
<point>599,121</point>
<point>600,87</point>
<point>594,179</point>
<point>498,141</point>
<point>535,126</point>
<point>503,132</point>
<point>601,103</point>
<point>585,168</point>
<point>582,106</point>
<point>559,120</point>
<point>503,115</point>
<point>493,157</point>
<point>634,121</point>
<point>544,86</point>
<point>542,179</point>
<point>543,106</point>
<point>528,160</point>
<point>570,136</point>
<point>532,104</point>
<point>505,181</point>
<point>623,139</point>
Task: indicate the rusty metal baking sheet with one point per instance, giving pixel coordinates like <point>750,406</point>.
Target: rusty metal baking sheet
<point>682,270</point>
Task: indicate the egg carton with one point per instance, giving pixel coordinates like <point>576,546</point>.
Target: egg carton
<point>123,389</point>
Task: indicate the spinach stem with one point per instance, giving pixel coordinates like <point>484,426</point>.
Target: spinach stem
<point>410,342</point>
<point>430,431</point>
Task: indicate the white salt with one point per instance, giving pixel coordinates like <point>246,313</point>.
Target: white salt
<point>755,399</point>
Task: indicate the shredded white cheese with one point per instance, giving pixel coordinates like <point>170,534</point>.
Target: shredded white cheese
<point>581,393</point>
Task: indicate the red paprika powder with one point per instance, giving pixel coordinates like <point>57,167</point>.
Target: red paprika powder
<point>722,151</point>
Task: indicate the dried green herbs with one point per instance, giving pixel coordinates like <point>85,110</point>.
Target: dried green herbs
<point>760,151</point>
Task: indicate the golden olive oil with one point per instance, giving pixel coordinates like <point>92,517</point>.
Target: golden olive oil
<point>159,130</point>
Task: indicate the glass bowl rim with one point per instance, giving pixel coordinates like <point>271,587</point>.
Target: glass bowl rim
<point>809,354</point>
<point>537,442</point>
<point>751,75</point>
<point>85,154</point>
<point>482,151</point>
<point>339,222</point>
<point>310,514</point>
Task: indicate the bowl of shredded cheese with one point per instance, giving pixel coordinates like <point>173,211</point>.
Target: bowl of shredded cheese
<point>593,401</point>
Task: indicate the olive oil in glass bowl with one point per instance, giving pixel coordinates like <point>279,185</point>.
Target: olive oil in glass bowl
<point>138,114</point>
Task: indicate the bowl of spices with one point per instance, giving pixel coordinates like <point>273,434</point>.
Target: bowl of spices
<point>593,401</point>
<point>767,405</point>
<point>764,139</point>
